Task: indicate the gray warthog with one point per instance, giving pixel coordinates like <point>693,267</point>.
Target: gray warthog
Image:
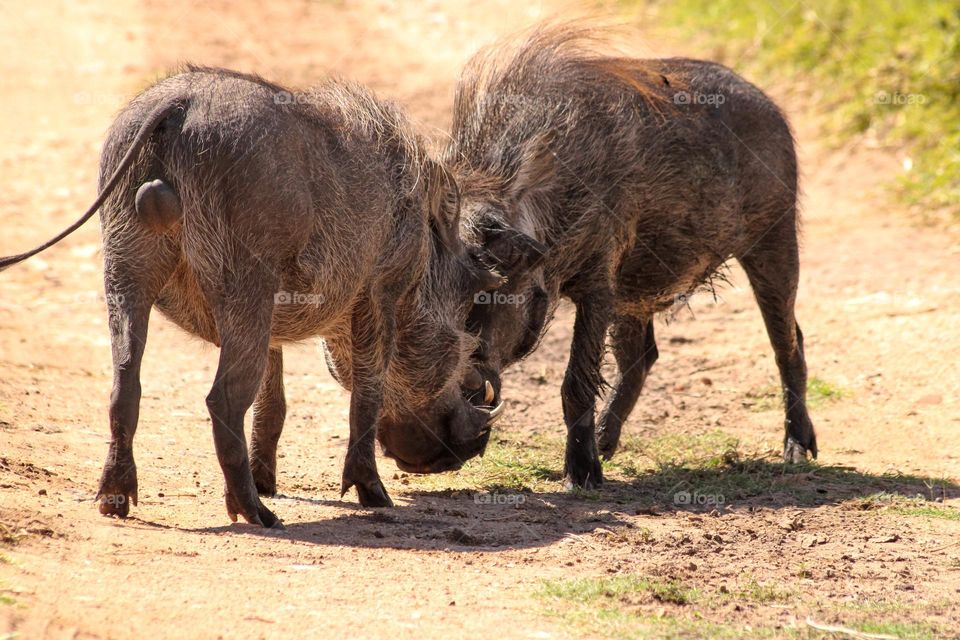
<point>642,177</point>
<point>253,217</point>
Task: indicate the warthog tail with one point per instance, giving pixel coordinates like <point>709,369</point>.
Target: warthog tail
<point>154,120</point>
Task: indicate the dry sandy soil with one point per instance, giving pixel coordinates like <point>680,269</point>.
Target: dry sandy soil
<point>845,542</point>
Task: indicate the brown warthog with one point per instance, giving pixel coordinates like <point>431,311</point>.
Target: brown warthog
<point>642,177</point>
<point>253,217</point>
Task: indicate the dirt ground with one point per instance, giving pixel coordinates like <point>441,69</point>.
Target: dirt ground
<point>846,542</point>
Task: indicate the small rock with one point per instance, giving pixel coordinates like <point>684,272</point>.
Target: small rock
<point>42,492</point>
<point>810,541</point>
<point>892,537</point>
<point>791,522</point>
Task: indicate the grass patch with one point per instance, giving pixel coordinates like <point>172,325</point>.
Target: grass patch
<point>625,589</point>
<point>507,465</point>
<point>917,506</point>
<point>628,606</point>
<point>610,607</point>
<point>902,630</point>
<point>819,393</point>
<point>699,471</point>
<point>758,593</point>
<point>614,607</point>
<point>882,70</point>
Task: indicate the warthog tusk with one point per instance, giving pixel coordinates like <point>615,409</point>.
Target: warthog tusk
<point>488,393</point>
<point>496,412</point>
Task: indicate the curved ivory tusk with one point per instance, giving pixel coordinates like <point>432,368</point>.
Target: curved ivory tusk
<point>496,412</point>
<point>488,392</point>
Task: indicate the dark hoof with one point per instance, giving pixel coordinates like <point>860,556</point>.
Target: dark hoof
<point>371,494</point>
<point>608,439</point>
<point>796,453</point>
<point>583,474</point>
<point>118,487</point>
<point>265,479</point>
<point>254,513</point>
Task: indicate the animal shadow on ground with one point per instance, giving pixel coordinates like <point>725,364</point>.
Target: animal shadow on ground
<point>495,516</point>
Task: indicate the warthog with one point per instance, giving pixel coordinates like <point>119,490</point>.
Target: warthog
<point>621,184</point>
<point>253,220</point>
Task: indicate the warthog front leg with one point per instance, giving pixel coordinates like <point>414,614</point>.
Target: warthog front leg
<point>581,386</point>
<point>372,329</point>
<point>635,351</point>
<point>269,412</point>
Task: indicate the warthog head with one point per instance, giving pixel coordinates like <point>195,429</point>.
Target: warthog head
<point>509,321</point>
<point>437,412</point>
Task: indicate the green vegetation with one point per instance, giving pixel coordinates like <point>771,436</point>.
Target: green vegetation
<point>624,588</point>
<point>916,506</point>
<point>819,393</point>
<point>507,465</point>
<point>885,70</point>
<point>629,606</point>
<point>699,471</point>
<point>758,593</point>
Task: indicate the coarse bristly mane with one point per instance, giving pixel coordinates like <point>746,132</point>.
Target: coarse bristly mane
<point>502,78</point>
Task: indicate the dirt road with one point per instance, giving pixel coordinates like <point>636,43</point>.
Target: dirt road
<point>497,548</point>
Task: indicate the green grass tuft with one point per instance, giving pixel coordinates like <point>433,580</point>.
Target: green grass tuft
<point>886,71</point>
<point>625,589</point>
<point>917,506</point>
<point>819,393</point>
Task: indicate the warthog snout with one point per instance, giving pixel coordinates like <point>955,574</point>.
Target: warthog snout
<point>445,440</point>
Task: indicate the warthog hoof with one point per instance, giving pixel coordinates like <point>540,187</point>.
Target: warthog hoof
<point>794,452</point>
<point>264,477</point>
<point>372,494</point>
<point>583,472</point>
<point>254,514</point>
<point>118,486</point>
<point>608,439</point>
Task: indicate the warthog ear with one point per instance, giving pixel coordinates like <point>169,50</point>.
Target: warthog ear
<point>512,251</point>
<point>443,203</point>
<point>537,167</point>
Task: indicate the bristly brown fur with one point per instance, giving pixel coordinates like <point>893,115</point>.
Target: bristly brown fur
<point>252,217</point>
<point>628,183</point>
